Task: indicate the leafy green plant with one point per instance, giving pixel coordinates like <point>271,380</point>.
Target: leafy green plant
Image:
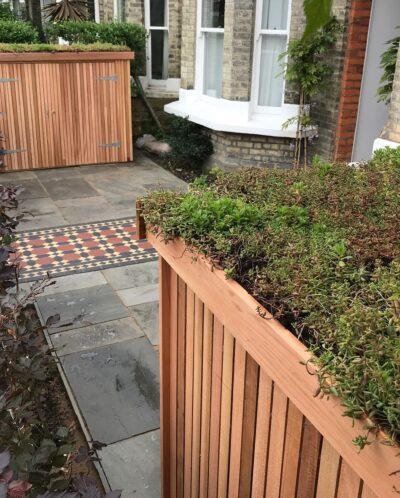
<point>46,47</point>
<point>17,32</point>
<point>191,146</point>
<point>307,70</point>
<point>388,64</point>
<point>6,14</point>
<point>320,249</point>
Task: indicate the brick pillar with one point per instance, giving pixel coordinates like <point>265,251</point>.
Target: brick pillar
<point>174,38</point>
<point>392,127</point>
<point>238,49</point>
<point>188,51</point>
<point>353,69</point>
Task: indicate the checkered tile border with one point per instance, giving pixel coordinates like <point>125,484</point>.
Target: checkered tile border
<point>80,248</point>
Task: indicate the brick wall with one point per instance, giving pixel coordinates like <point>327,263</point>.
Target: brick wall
<point>106,10</point>
<point>188,52</point>
<point>325,110</point>
<point>357,34</point>
<point>134,10</point>
<point>232,150</point>
<point>238,49</point>
<point>174,38</point>
<point>392,127</point>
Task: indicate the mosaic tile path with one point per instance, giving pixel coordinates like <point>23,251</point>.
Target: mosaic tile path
<point>80,248</point>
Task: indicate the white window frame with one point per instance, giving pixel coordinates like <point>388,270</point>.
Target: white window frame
<point>200,51</point>
<point>258,35</point>
<point>149,29</point>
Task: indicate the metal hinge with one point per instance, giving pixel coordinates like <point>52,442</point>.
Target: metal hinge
<point>8,80</point>
<point>15,151</point>
<point>114,77</point>
<point>112,144</point>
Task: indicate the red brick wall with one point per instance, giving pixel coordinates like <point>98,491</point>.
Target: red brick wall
<point>359,17</point>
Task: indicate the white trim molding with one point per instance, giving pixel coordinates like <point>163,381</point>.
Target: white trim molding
<point>381,143</point>
<point>232,116</point>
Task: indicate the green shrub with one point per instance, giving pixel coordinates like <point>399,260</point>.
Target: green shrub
<point>17,32</point>
<point>6,14</point>
<point>46,47</point>
<point>130,35</point>
<point>191,146</point>
<point>320,249</point>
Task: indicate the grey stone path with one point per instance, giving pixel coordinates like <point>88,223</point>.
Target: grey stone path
<point>107,338</point>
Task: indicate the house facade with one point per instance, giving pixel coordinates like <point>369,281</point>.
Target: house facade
<point>219,61</point>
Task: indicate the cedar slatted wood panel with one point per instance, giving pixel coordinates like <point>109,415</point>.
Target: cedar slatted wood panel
<point>231,424</point>
<point>65,109</point>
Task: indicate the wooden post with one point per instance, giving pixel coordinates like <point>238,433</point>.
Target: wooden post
<point>140,223</point>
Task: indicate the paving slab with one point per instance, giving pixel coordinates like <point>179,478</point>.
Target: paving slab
<point>81,307</point>
<point>11,176</point>
<point>138,295</point>
<point>101,334</point>
<point>86,209</point>
<point>70,282</point>
<point>112,186</point>
<point>33,189</point>
<point>39,213</point>
<point>125,206</point>
<point>68,188</point>
<point>134,465</point>
<point>116,388</point>
<point>137,275</point>
<point>68,172</point>
<point>147,316</point>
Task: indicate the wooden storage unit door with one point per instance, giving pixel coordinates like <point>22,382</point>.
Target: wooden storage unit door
<point>65,109</point>
<point>238,419</point>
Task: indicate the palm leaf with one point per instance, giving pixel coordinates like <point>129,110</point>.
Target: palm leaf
<point>67,10</point>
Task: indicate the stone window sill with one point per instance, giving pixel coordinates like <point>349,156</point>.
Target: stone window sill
<point>231,116</point>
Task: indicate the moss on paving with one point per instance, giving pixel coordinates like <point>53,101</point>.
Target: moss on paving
<point>320,249</point>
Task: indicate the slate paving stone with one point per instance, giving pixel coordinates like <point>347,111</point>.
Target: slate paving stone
<point>116,388</point>
<point>134,465</point>
<point>81,307</point>
<point>46,174</point>
<point>6,176</point>
<point>137,275</point>
<point>32,188</point>
<point>39,213</point>
<point>138,295</point>
<point>95,336</point>
<point>86,209</point>
<point>68,188</point>
<point>147,316</point>
<point>112,187</point>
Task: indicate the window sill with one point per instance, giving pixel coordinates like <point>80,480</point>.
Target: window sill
<point>232,116</point>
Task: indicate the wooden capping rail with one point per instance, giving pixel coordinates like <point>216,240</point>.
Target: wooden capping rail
<point>281,356</point>
<point>17,57</point>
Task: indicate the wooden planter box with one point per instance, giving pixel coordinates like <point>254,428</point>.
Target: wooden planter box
<point>65,108</point>
<point>239,415</point>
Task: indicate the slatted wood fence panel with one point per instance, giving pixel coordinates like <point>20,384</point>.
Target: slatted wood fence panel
<point>228,430</point>
<point>65,109</point>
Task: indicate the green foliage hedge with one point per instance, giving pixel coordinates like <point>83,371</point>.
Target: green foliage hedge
<point>6,14</point>
<point>84,32</point>
<point>45,47</point>
<point>17,32</point>
<point>320,249</point>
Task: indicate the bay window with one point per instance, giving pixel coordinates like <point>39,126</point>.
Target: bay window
<point>271,35</point>
<point>156,17</point>
<point>211,47</point>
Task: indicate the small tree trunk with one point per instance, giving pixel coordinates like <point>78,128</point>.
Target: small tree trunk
<point>34,13</point>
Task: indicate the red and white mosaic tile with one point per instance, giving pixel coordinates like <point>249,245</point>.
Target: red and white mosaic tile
<point>80,248</point>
